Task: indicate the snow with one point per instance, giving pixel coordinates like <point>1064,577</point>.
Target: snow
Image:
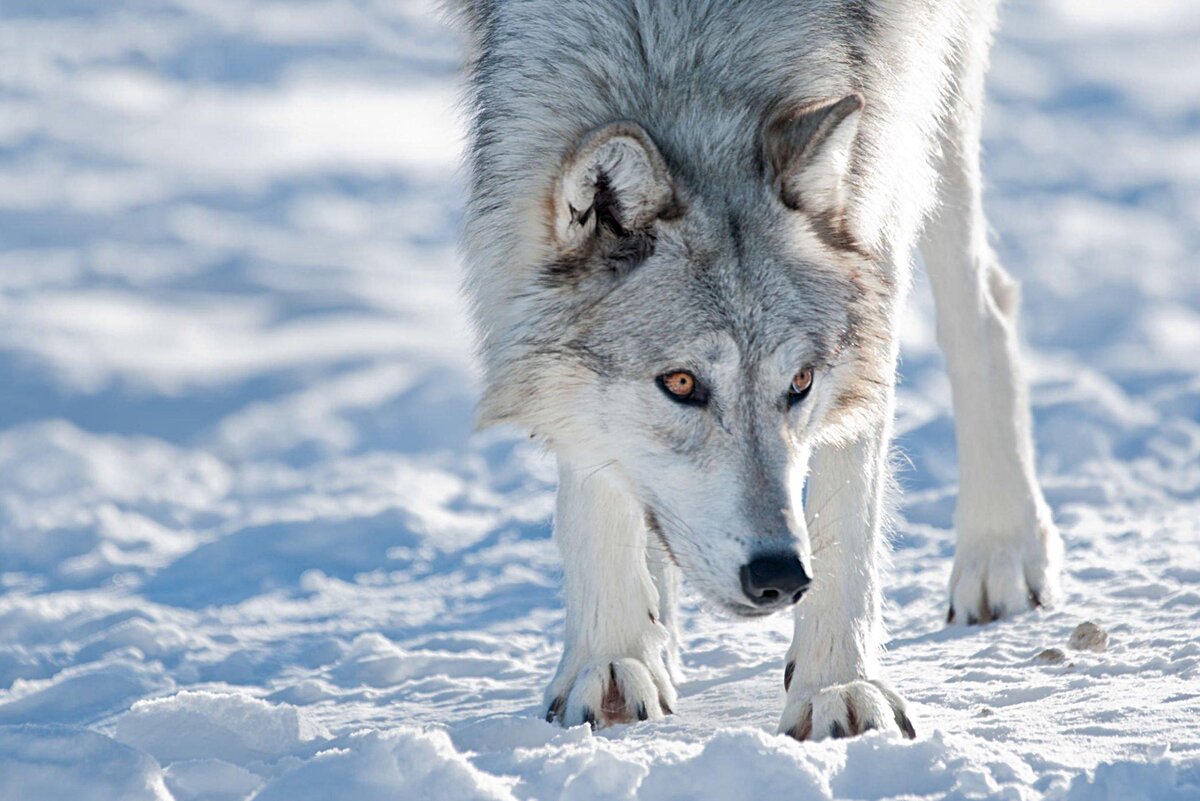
<point>206,725</point>
<point>54,761</point>
<point>250,547</point>
<point>380,766</point>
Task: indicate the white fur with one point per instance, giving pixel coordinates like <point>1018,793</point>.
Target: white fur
<point>837,626</point>
<point>612,604</point>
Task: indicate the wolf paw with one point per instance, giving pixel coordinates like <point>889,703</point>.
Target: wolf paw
<point>605,692</point>
<point>844,710</point>
<point>996,576</point>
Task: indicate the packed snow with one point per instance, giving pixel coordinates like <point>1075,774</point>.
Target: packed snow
<point>251,549</point>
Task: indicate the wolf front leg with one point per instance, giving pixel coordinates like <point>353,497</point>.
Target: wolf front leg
<point>1009,553</point>
<point>832,673</point>
<point>613,668</point>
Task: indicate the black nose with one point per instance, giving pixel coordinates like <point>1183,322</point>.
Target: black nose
<point>774,578</point>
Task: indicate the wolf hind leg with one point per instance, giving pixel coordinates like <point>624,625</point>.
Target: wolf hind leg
<point>666,580</point>
<point>1008,552</point>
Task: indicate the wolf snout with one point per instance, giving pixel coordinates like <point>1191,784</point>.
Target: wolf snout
<point>774,579</point>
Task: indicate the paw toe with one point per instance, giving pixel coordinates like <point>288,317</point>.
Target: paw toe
<point>803,729</point>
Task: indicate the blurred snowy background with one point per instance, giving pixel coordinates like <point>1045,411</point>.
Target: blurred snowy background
<point>249,546</point>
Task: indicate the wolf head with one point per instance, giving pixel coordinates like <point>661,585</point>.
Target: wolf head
<point>697,331</point>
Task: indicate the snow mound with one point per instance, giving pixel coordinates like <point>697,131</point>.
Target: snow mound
<point>734,760</point>
<point>374,661</point>
<point>661,766</point>
<point>233,728</point>
<point>81,695</point>
<point>60,763</point>
<point>384,766</point>
<point>210,780</point>
<point>1162,779</point>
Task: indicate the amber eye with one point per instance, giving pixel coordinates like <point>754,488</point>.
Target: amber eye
<point>680,384</point>
<point>683,387</point>
<point>801,384</point>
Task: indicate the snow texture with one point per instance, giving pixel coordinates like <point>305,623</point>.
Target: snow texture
<point>250,548</point>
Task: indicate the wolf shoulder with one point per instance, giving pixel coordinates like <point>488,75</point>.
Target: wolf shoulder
<point>627,50</point>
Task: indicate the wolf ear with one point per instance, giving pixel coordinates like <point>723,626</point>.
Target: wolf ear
<point>807,153</point>
<point>611,189</point>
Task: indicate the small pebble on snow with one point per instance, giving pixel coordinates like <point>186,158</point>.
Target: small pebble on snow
<point>1087,636</point>
<point>1052,655</point>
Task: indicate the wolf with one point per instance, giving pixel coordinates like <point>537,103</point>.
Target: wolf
<point>689,235</point>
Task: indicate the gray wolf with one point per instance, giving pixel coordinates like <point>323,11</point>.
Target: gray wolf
<point>688,240</point>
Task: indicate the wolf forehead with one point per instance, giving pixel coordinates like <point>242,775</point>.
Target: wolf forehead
<point>641,250</point>
<point>700,280</point>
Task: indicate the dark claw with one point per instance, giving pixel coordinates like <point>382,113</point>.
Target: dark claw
<point>641,711</point>
<point>589,717</point>
<point>985,609</point>
<point>905,724</point>
<point>996,615</point>
<point>555,707</point>
<point>1035,600</point>
<point>666,709</point>
<point>836,731</point>
<point>803,729</point>
<point>788,670</point>
<point>950,615</point>
<point>972,620</point>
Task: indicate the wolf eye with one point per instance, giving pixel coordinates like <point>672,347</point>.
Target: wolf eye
<point>682,387</point>
<point>801,384</point>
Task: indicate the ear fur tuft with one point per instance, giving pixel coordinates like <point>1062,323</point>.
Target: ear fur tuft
<point>610,191</point>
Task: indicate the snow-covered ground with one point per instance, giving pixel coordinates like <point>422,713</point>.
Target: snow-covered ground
<point>249,546</point>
